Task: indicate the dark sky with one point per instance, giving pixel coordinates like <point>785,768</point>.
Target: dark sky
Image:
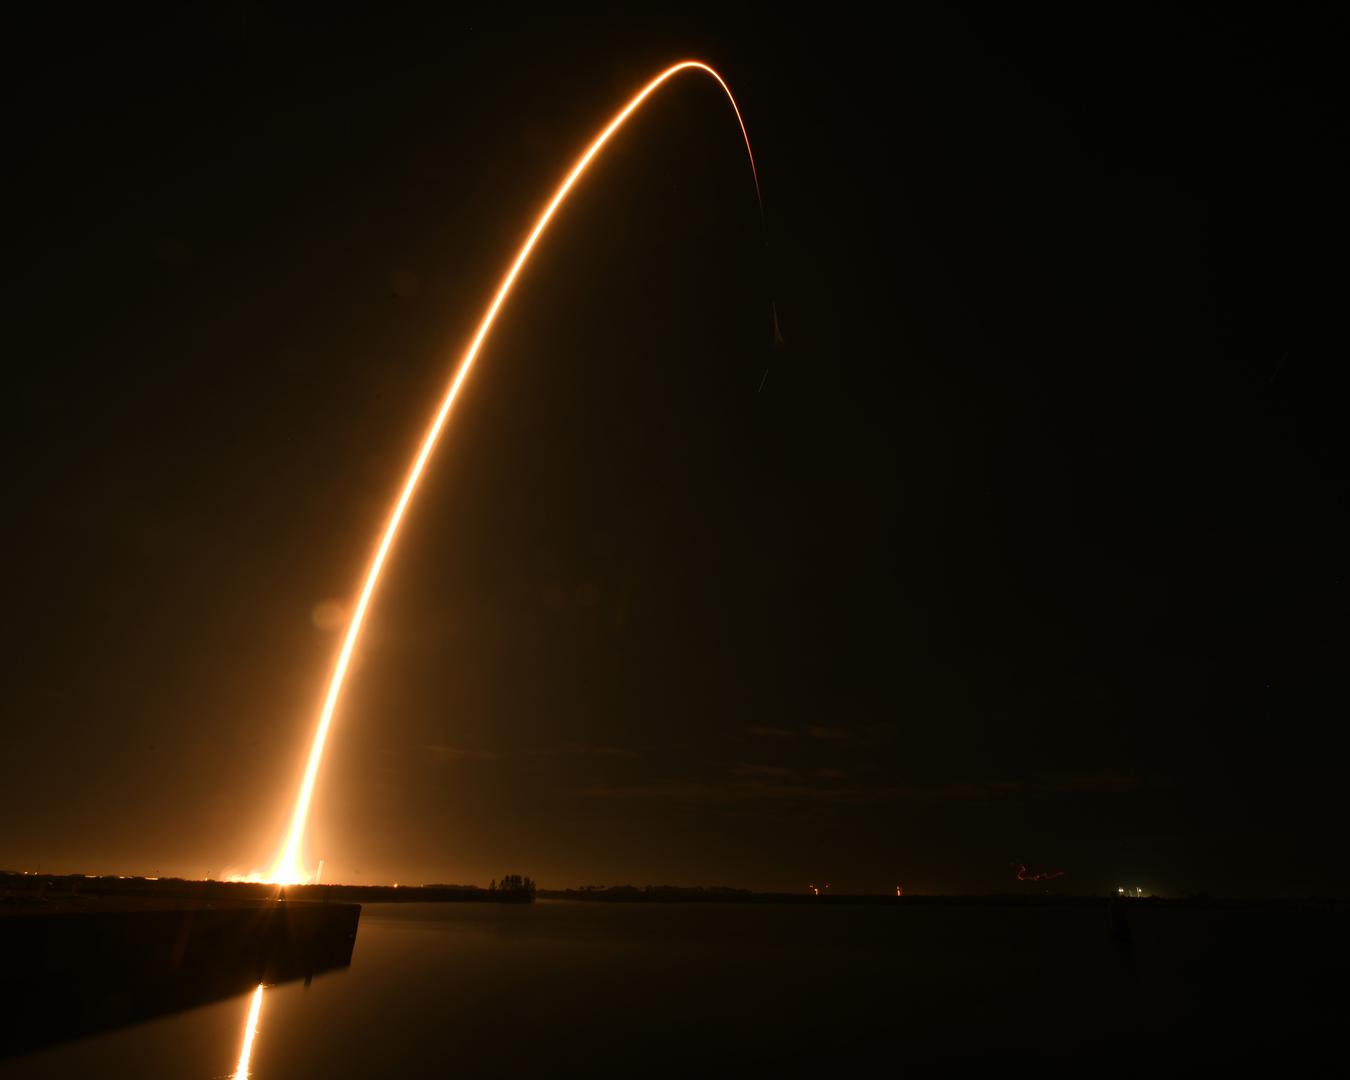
<point>1029,548</point>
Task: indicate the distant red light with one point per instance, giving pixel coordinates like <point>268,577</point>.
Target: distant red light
<point>1024,875</point>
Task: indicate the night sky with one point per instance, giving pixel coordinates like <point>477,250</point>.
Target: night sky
<point>1027,547</point>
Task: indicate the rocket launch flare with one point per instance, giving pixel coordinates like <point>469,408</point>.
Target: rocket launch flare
<point>288,868</point>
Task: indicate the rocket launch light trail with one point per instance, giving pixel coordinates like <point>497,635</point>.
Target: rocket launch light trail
<point>288,868</point>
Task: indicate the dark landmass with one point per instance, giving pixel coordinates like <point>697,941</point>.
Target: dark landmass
<point>87,963</point>
<point>78,891</point>
<point>680,894</point>
<point>19,892</point>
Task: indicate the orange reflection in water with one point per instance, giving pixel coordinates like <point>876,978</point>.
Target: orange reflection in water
<point>250,1029</point>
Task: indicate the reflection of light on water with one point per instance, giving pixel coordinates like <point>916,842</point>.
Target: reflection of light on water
<point>250,1029</point>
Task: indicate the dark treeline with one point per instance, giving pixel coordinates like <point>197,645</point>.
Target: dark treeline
<point>723,895</point>
<point>670,893</point>
<point>20,890</point>
<point>680,894</point>
<point>513,884</point>
<point>75,889</point>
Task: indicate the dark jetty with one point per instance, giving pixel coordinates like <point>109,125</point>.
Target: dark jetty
<point>80,962</point>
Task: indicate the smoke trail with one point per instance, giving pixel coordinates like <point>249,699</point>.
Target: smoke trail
<point>288,869</point>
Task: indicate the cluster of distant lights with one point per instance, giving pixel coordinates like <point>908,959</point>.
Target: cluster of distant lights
<point>1132,891</point>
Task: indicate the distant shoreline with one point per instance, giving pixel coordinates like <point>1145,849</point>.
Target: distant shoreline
<point>19,892</point>
<point>27,892</point>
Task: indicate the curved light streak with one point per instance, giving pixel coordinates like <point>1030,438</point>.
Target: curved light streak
<point>288,869</point>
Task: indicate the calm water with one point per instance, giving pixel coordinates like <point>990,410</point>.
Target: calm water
<point>563,988</point>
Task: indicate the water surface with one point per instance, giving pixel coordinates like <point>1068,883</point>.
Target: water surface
<point>563,988</point>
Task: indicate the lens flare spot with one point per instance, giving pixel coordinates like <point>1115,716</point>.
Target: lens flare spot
<point>328,615</point>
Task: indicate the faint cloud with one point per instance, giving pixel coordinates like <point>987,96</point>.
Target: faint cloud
<point>584,750</point>
<point>1097,783</point>
<point>455,753</point>
<point>747,783</point>
<point>663,792</point>
<point>763,770</point>
<point>773,784</point>
<point>756,786</point>
<point>820,731</point>
<point>599,751</point>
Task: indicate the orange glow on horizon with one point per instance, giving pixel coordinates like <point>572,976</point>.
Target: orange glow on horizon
<point>250,1029</point>
<point>288,868</point>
